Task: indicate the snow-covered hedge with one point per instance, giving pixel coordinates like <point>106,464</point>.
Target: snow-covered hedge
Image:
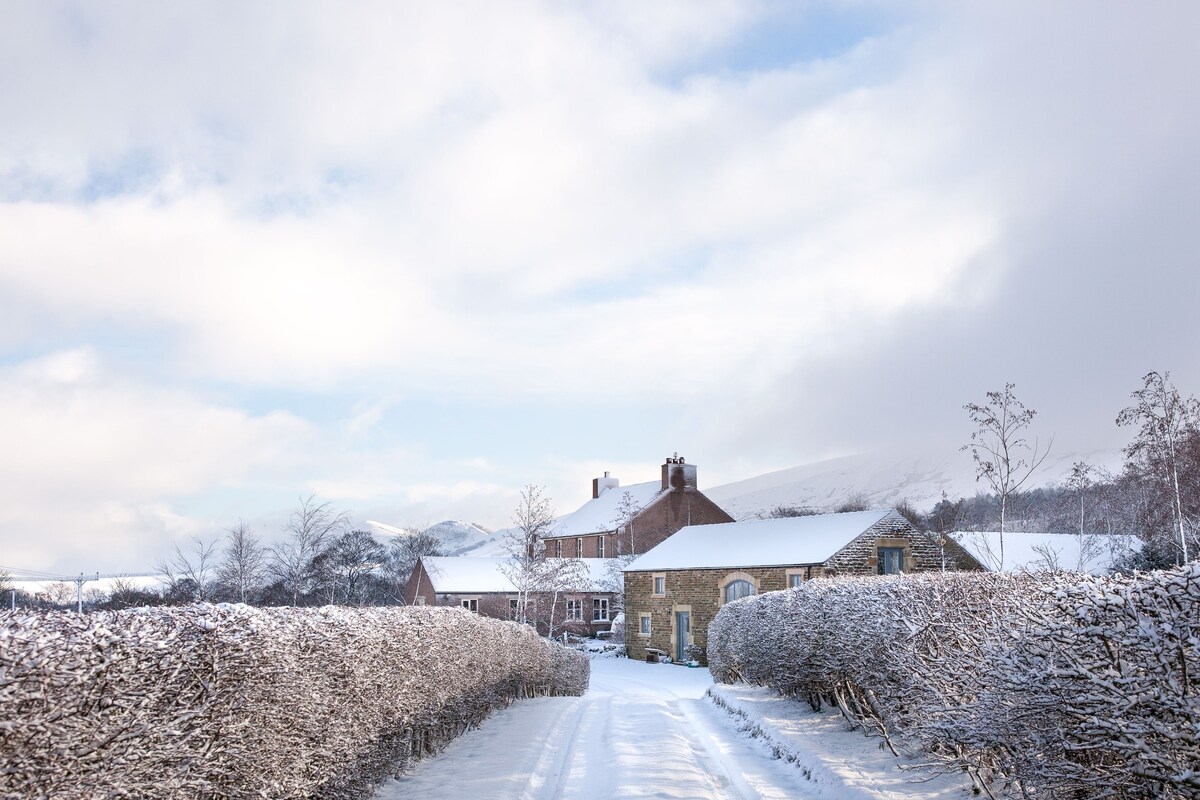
<point>236,702</point>
<point>1067,685</point>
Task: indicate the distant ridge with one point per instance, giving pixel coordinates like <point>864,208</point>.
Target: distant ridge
<point>880,479</point>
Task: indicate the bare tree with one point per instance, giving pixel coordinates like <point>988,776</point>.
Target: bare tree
<point>349,561</point>
<point>627,511</point>
<point>307,532</point>
<point>1003,456</point>
<point>532,518</point>
<point>245,562</point>
<point>1165,421</point>
<point>856,501</point>
<point>1080,481</point>
<point>406,550</point>
<point>59,593</point>
<point>189,574</point>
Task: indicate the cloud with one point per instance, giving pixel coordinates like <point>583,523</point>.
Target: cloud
<point>605,209</point>
<point>101,457</point>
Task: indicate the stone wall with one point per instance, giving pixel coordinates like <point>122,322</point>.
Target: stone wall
<point>698,591</point>
<point>922,552</point>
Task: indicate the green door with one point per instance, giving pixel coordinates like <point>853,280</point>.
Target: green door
<point>683,634</point>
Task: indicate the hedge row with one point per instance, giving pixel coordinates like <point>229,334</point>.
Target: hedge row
<point>1053,686</point>
<point>236,702</point>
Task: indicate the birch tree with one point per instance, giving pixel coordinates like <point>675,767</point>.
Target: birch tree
<point>1004,457</point>
<point>308,530</point>
<point>532,519</point>
<point>189,573</point>
<point>244,566</point>
<point>1164,422</point>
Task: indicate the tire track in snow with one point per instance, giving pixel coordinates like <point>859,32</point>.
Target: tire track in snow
<point>640,731</point>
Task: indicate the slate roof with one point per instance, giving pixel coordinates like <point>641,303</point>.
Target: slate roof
<point>479,575</point>
<point>758,543</point>
<point>601,514</point>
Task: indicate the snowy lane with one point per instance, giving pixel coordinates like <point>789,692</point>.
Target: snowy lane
<point>640,731</point>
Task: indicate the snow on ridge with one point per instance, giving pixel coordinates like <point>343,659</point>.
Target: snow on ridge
<point>883,479</point>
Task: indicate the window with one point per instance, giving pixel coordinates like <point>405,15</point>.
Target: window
<point>795,579</point>
<point>599,547</point>
<point>420,601</point>
<point>512,607</point>
<point>574,609</point>
<point>558,548</point>
<point>735,590</point>
<point>891,560</point>
<point>471,604</point>
<point>599,609</point>
<point>660,584</point>
<point>644,625</point>
<point>579,548</point>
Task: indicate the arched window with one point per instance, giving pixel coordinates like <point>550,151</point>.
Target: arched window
<point>735,590</point>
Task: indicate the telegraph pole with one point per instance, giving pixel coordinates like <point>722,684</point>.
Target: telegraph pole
<point>79,582</point>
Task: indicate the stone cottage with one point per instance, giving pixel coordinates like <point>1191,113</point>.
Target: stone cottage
<point>674,591</point>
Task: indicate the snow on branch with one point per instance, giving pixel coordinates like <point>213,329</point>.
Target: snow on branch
<point>1064,685</point>
<point>236,702</point>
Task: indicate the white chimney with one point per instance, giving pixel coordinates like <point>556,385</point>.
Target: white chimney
<point>602,485</point>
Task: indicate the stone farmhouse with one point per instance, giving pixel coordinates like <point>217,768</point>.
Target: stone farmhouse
<point>675,590</point>
<point>629,520</point>
<point>485,586</point>
<point>616,521</point>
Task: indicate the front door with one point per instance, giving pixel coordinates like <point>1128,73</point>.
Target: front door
<point>683,634</point>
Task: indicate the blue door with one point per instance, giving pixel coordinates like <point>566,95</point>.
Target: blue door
<point>683,634</point>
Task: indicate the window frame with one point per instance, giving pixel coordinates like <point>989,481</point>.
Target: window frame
<point>470,604</point>
<point>600,604</point>
<point>732,578</point>
<point>882,559</point>
<point>579,547</point>
<point>600,546</point>
<point>657,579</point>
<point>575,609</point>
<point>645,625</point>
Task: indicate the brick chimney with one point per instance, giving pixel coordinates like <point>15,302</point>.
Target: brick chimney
<point>678,475</point>
<point>602,485</point>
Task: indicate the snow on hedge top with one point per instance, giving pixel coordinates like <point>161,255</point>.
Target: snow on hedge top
<point>481,575</point>
<point>758,543</point>
<point>601,514</point>
<point>1035,552</point>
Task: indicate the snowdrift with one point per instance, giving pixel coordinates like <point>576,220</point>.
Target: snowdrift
<point>1059,686</point>
<point>237,702</point>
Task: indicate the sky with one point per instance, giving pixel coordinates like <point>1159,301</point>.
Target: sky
<point>409,258</point>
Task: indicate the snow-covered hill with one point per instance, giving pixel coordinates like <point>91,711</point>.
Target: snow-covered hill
<point>457,538</point>
<point>881,479</point>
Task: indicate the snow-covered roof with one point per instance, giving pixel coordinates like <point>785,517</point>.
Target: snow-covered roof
<point>1032,552</point>
<point>601,513</point>
<point>758,543</point>
<point>480,575</point>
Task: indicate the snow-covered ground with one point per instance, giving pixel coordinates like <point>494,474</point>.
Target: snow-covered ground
<point>653,730</point>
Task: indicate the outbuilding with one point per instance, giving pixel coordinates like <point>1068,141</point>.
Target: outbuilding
<point>675,590</point>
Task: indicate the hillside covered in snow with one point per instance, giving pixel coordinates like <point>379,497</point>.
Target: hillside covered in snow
<point>880,480</point>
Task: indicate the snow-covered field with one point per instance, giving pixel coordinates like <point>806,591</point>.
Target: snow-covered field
<point>650,730</point>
